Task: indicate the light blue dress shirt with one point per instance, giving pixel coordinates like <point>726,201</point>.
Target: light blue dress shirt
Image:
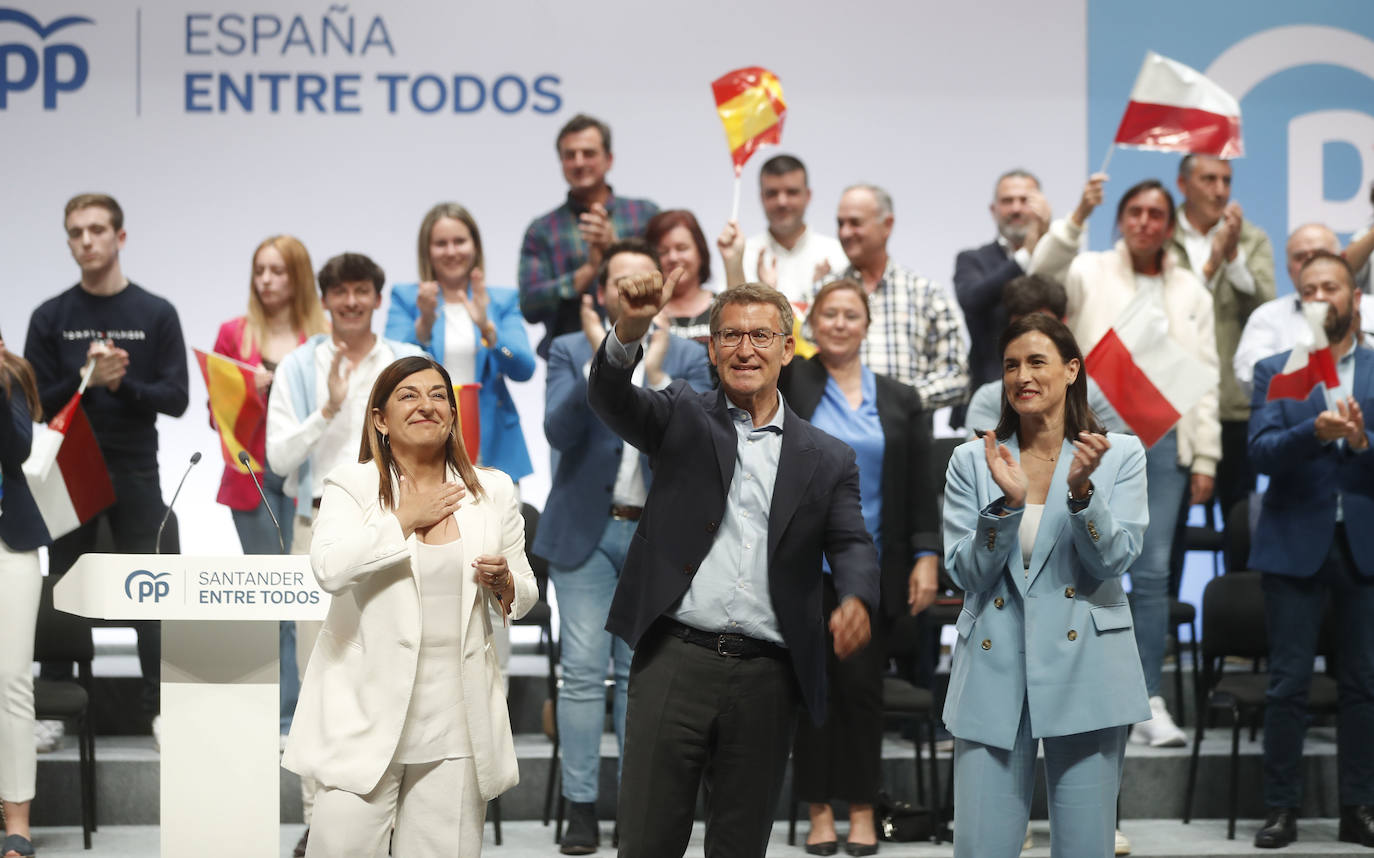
<point>729,592</point>
<point>861,429</point>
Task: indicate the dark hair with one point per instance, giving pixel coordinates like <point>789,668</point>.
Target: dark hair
<point>752,293</point>
<point>104,201</point>
<point>666,221</point>
<point>1141,187</point>
<point>781,165</point>
<point>1078,417</point>
<point>350,268</point>
<point>375,449</point>
<point>15,368</point>
<point>634,244</point>
<point>581,122</point>
<point>837,285</point>
<point>1323,255</point>
<point>1031,293</point>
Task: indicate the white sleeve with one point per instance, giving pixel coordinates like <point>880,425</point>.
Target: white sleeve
<point>289,440</point>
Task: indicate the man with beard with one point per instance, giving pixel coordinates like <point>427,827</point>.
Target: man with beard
<point>1321,475</point>
<point>980,275</point>
<point>788,256</point>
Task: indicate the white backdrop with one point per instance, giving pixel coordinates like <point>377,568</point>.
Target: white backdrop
<point>931,100</point>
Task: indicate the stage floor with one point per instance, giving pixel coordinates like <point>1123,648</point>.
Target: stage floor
<point>528,839</point>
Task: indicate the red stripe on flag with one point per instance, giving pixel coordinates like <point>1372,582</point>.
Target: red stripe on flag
<point>731,84</point>
<point>1146,410</point>
<point>1180,129</point>
<point>470,420</point>
<point>745,150</point>
<point>1299,384</point>
<point>83,468</point>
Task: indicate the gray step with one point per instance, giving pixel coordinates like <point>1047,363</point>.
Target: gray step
<point>1152,785</point>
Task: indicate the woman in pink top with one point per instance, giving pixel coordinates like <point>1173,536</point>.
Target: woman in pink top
<point>283,309</point>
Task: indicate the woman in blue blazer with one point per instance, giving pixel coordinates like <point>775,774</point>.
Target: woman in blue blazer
<point>1042,517</point>
<point>22,533</point>
<point>482,339</point>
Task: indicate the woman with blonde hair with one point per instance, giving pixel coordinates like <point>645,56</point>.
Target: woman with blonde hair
<point>283,309</point>
<point>402,717</point>
<point>474,330</point>
<point>22,533</point>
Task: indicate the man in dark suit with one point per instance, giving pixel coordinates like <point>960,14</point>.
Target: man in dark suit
<point>721,592</point>
<point>597,497</point>
<point>1313,543</point>
<point>1022,216</point>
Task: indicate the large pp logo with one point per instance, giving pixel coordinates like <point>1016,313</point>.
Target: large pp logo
<point>1316,138</point>
<point>60,67</point>
<point>142,585</point>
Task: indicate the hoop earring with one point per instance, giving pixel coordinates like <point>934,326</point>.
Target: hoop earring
<point>386,439</point>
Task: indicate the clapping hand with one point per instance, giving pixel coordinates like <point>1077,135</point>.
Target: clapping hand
<point>592,328</point>
<point>1040,216</point>
<point>1347,422</point>
<point>339,370</point>
<point>596,229</point>
<point>111,364</point>
<point>1087,455</point>
<point>657,350</point>
<point>1006,471</point>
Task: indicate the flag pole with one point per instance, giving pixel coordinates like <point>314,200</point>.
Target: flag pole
<point>1107,160</point>
<point>734,205</point>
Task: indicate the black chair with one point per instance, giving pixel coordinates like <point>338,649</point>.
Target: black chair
<point>540,615</point>
<point>66,638</point>
<point>1238,536</point>
<point>1233,625</point>
<point>1206,537</point>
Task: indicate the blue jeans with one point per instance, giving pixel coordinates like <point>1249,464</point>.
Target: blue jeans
<point>1293,609</point>
<point>258,535</point>
<point>1167,483</point>
<point>584,599</point>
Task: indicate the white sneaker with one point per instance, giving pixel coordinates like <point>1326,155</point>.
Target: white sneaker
<point>47,736</point>
<point>157,732</point>
<point>1123,846</point>
<point>1030,839</point>
<point>1160,731</point>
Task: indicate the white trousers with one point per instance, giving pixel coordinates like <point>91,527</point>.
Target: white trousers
<point>307,631</point>
<point>21,582</point>
<point>435,808</point>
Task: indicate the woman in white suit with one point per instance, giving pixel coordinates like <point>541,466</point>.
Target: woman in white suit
<point>402,715</point>
<point>1042,517</point>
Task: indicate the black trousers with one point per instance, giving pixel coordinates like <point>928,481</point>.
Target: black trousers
<point>841,759</point>
<point>1235,477</point>
<point>133,522</point>
<point>696,716</point>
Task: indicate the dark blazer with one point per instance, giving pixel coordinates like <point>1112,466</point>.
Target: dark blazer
<point>979,276</point>
<point>1298,517</point>
<point>691,444</point>
<point>579,500</point>
<point>910,519</point>
<point>21,525</point>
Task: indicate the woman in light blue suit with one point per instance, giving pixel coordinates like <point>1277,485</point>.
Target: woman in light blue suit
<point>1042,517</point>
<point>480,339</point>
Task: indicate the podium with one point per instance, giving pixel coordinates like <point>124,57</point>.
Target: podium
<point>220,768</point>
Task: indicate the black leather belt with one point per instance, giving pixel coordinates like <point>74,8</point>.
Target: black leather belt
<point>730,646</point>
<point>626,513</point>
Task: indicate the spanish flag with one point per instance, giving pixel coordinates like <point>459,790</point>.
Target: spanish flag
<point>751,107</point>
<point>236,409</point>
<point>470,419</point>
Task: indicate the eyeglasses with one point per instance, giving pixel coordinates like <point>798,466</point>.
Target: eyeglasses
<point>761,338</point>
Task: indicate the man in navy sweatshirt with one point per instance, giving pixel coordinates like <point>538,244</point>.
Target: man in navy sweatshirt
<point>134,339</point>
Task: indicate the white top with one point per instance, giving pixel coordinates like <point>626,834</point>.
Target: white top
<point>629,489</point>
<point>796,267</point>
<point>460,346</point>
<point>436,724</point>
<point>1030,526</point>
<point>327,443</point>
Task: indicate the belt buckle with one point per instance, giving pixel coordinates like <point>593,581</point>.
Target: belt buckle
<point>737,649</point>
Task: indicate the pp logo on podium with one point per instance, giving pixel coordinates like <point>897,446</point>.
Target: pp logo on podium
<point>142,585</point>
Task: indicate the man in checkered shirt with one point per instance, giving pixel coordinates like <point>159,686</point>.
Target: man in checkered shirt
<point>916,335</point>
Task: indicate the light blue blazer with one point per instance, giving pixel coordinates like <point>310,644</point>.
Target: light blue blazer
<point>503,442</point>
<point>1060,635</point>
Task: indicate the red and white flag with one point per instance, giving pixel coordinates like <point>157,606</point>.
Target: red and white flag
<point>1307,366</point>
<point>1148,378</point>
<point>1175,109</point>
<point>66,471</point>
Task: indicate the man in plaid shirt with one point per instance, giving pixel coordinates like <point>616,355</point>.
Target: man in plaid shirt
<point>563,249</point>
<point>916,333</point>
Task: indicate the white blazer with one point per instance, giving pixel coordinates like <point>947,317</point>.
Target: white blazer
<point>356,691</point>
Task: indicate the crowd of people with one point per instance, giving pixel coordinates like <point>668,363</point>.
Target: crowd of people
<point>741,509</point>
